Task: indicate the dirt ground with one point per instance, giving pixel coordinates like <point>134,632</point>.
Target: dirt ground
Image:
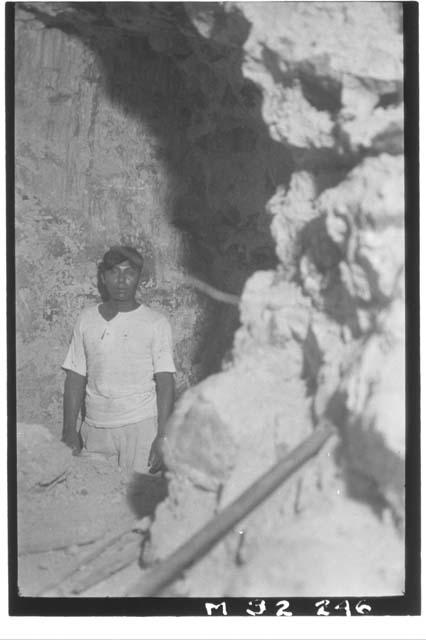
<point>84,529</point>
<point>82,522</point>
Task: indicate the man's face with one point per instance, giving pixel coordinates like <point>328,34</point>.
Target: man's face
<point>121,281</point>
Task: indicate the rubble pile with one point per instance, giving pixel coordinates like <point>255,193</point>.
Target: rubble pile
<point>67,505</point>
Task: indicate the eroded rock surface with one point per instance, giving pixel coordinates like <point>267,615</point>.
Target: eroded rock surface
<point>322,337</point>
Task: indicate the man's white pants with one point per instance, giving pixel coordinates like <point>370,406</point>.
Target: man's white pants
<point>131,443</point>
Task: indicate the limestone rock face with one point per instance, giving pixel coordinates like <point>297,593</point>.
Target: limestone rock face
<point>323,71</point>
<point>127,132</point>
<point>327,327</point>
<point>355,275</point>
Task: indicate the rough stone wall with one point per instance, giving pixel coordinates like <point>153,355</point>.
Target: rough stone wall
<point>322,336</point>
<point>87,176</point>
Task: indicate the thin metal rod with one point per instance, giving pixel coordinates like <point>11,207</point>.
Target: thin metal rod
<point>202,541</point>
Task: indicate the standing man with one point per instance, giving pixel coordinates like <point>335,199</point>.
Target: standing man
<point>120,364</point>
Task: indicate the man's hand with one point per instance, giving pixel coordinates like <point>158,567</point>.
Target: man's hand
<point>72,440</point>
<point>156,459</point>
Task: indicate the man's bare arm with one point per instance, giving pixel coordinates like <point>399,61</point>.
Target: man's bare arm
<point>165,387</point>
<point>74,388</point>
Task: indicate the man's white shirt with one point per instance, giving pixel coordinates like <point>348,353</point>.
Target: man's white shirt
<point>119,358</point>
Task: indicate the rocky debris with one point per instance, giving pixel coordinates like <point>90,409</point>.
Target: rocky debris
<point>77,510</point>
<point>295,562</point>
<point>64,502</point>
<point>58,516</point>
<point>42,460</point>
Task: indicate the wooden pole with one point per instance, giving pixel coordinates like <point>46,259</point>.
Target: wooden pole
<point>202,541</point>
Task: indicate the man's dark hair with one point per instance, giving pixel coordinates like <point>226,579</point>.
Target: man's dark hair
<point>114,256</point>
<point>118,254</point>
